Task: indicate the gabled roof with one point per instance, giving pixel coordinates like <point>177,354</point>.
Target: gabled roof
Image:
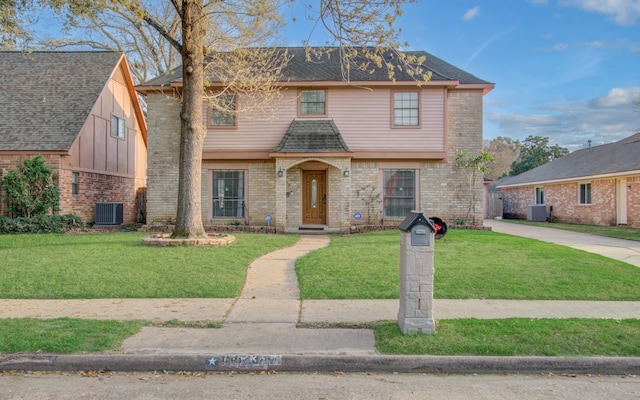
<point>614,158</point>
<point>328,69</point>
<point>312,136</point>
<point>46,97</point>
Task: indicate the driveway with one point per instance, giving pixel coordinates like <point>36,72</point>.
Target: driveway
<point>619,249</point>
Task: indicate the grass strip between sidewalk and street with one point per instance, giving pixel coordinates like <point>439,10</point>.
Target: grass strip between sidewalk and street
<point>516,337</point>
<point>455,337</point>
<point>64,335</point>
<point>118,265</point>
<point>469,264</point>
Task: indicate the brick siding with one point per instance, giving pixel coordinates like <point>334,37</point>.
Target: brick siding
<point>562,201</point>
<point>92,188</point>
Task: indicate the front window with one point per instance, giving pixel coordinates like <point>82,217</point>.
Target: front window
<point>118,127</point>
<point>228,194</point>
<point>539,195</point>
<point>222,112</point>
<point>399,192</point>
<point>585,193</point>
<point>406,109</point>
<point>313,102</point>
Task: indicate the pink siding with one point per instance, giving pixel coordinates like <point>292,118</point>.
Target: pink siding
<point>96,150</point>
<point>371,130</point>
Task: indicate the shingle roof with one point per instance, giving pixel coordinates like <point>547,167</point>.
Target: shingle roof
<point>612,158</point>
<point>329,69</point>
<point>47,96</point>
<point>312,136</point>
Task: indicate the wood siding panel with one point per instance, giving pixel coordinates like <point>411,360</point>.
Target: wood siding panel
<point>86,147</point>
<point>100,145</point>
<point>362,116</point>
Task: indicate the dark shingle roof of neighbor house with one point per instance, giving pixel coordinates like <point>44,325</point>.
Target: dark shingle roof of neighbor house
<point>329,69</point>
<point>312,136</point>
<point>47,96</point>
<point>617,157</point>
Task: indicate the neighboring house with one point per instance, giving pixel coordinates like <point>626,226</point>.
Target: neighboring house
<point>331,152</point>
<point>81,112</point>
<point>599,185</point>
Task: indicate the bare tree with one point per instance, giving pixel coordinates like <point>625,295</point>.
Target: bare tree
<point>505,151</point>
<point>362,30</point>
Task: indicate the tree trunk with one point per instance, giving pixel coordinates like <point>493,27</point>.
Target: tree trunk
<point>192,132</point>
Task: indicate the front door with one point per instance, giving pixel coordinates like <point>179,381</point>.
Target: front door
<point>314,197</point>
<point>621,202</point>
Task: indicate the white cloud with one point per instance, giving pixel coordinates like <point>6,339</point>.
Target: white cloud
<point>622,12</point>
<point>604,119</point>
<point>618,97</point>
<point>471,13</point>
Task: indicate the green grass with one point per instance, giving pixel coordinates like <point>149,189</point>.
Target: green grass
<point>64,335</point>
<point>469,264</point>
<point>618,232</point>
<point>516,337</point>
<point>118,265</point>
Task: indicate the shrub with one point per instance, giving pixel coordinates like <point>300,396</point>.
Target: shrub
<point>40,224</point>
<point>30,189</point>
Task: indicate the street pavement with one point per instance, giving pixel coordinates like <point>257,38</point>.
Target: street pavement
<point>260,330</point>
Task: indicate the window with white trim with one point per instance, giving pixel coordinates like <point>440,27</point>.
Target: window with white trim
<point>539,195</point>
<point>584,193</point>
<point>399,192</point>
<point>228,194</point>
<point>406,108</point>
<point>118,127</point>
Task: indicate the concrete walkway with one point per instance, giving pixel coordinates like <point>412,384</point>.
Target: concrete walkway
<point>619,249</point>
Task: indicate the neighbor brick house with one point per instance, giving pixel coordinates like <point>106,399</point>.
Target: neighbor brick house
<point>599,185</point>
<point>81,112</point>
<point>333,154</point>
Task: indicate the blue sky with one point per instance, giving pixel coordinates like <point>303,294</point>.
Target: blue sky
<point>565,69</point>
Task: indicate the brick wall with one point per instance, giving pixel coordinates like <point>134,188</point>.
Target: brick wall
<point>562,199</point>
<point>163,121</point>
<point>92,188</point>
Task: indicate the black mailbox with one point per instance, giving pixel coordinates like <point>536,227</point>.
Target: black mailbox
<point>419,227</point>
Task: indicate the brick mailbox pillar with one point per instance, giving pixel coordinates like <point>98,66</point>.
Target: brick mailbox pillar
<point>417,235</point>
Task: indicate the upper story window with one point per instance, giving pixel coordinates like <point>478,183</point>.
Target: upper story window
<point>539,195</point>
<point>406,109</point>
<point>313,102</point>
<point>584,195</point>
<point>222,112</point>
<point>118,127</point>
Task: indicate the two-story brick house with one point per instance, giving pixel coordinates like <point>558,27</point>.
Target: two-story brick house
<point>332,151</point>
<point>81,112</point>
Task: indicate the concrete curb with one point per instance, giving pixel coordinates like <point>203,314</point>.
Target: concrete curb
<point>322,363</point>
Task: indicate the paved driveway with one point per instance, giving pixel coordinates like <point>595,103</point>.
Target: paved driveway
<point>619,249</point>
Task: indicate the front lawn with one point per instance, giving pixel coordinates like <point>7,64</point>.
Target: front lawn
<point>118,265</point>
<point>469,264</point>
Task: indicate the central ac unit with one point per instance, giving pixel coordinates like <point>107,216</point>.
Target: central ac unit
<point>537,212</point>
<point>109,213</point>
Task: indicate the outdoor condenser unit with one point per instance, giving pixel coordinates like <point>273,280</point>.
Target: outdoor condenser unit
<point>109,213</point>
<point>537,213</point>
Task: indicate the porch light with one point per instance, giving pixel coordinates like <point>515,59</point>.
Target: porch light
<point>346,173</point>
<point>280,173</point>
